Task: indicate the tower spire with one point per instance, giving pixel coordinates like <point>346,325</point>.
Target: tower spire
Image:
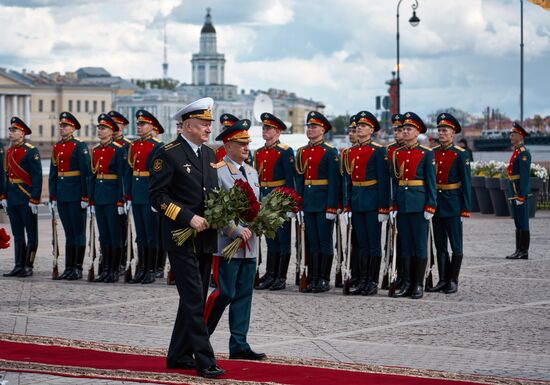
<point>165,63</point>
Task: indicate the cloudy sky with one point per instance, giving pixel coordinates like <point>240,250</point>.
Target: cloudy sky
<point>464,53</point>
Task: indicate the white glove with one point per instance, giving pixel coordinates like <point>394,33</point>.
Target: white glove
<point>128,206</point>
<point>427,215</point>
<point>121,210</point>
<point>154,209</point>
<point>519,203</point>
<point>330,216</point>
<point>338,211</point>
<point>347,217</point>
<point>52,206</point>
<point>34,208</point>
<point>291,214</point>
<point>4,203</point>
<point>393,215</point>
<point>83,204</point>
<point>91,210</point>
<point>383,217</point>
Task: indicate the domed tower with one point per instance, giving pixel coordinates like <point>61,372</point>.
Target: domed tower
<point>208,64</point>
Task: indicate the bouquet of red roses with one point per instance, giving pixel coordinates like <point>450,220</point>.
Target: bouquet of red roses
<point>4,239</point>
<point>238,204</point>
<point>270,218</point>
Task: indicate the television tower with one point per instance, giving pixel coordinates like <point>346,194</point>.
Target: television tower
<point>165,64</point>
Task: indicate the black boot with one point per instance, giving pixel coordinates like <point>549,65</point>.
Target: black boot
<point>269,279</point>
<point>116,255</point>
<point>29,262</point>
<point>103,267</point>
<point>374,274</point>
<point>19,251</point>
<point>452,286</point>
<point>108,265</point>
<point>80,254</point>
<point>140,266</point>
<point>363,276</point>
<point>326,267</point>
<point>524,240</point>
<point>280,282</point>
<point>405,288</point>
<point>69,250</point>
<point>514,255</point>
<point>313,272</point>
<point>150,265</point>
<point>75,257</point>
<point>161,263</point>
<point>420,273</point>
<point>443,267</point>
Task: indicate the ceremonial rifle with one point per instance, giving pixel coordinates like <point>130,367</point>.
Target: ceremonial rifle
<point>298,246</point>
<point>387,257</point>
<point>303,256</point>
<point>55,246</point>
<point>347,273</point>
<point>393,270</point>
<point>429,279</point>
<point>257,275</point>
<point>91,248</point>
<point>339,254</point>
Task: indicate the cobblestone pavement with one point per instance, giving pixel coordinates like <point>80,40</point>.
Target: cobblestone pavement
<point>497,324</point>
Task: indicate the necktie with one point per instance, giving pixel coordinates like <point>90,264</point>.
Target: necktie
<point>199,152</point>
<point>243,172</point>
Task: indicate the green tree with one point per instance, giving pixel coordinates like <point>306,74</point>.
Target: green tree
<point>340,124</point>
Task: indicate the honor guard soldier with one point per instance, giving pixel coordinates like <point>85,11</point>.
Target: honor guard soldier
<point>226,120</point>
<point>158,251</point>
<point>182,177</point>
<point>414,200</point>
<point>275,165</point>
<point>68,184</point>
<point>20,196</point>
<point>140,158</point>
<point>118,137</point>
<point>368,191</point>
<point>454,190</point>
<point>318,182</point>
<point>519,169</point>
<point>354,255</point>
<point>397,127</point>
<point>107,196</point>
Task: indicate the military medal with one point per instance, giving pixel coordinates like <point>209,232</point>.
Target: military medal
<point>187,168</point>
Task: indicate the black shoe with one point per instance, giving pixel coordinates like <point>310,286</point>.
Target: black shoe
<point>248,355</point>
<point>14,273</point>
<point>451,288</point>
<point>441,285</point>
<point>322,286</point>
<point>211,372</point>
<point>371,289</point>
<point>311,286</point>
<point>26,272</point>
<point>149,278</point>
<point>267,283</point>
<point>159,274</point>
<point>360,287</point>
<point>279,284</point>
<point>182,365</point>
<point>418,292</point>
<point>73,276</point>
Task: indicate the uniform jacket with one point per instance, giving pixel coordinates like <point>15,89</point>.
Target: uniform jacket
<point>275,167</point>
<point>318,179</point>
<point>414,179</point>
<point>367,178</point>
<point>453,181</point>
<point>228,173</point>
<point>519,169</point>
<point>2,171</point>
<point>23,175</point>
<point>70,171</point>
<point>106,181</point>
<point>140,159</point>
<point>180,183</point>
<point>125,143</point>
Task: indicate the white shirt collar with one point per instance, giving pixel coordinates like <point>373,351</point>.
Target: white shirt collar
<point>194,147</point>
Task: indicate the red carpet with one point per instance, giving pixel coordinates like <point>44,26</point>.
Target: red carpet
<point>106,361</point>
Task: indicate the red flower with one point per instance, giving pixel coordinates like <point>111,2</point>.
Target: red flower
<point>4,239</point>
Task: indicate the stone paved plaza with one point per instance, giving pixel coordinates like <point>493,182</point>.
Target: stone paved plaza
<point>497,324</point>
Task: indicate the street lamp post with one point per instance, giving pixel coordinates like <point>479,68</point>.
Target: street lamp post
<point>521,68</point>
<point>414,20</point>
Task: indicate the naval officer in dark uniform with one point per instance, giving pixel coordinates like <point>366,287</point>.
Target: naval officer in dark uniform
<point>182,175</point>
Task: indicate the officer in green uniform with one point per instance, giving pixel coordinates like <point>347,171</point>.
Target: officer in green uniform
<point>68,185</point>
<point>454,191</point>
<point>274,163</point>
<point>107,196</point>
<point>414,200</point>
<point>20,196</point>
<point>318,182</point>
<point>368,192</point>
<point>519,169</point>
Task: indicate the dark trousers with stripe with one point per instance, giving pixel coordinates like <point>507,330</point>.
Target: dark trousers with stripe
<point>73,219</point>
<point>190,336</point>
<point>521,215</point>
<point>413,234</point>
<point>145,229</point>
<point>369,233</point>
<point>447,230</point>
<point>234,281</point>
<point>319,233</point>
<point>281,243</point>
<point>108,225</point>
<point>22,221</point>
